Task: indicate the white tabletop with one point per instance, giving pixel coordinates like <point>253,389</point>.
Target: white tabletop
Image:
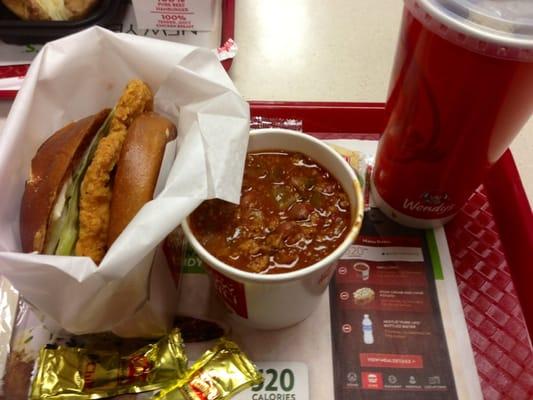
<point>339,50</point>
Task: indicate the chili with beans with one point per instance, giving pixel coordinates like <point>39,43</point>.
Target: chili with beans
<point>292,214</point>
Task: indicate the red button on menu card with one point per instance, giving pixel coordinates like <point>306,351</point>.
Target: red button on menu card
<point>372,380</point>
<point>391,360</point>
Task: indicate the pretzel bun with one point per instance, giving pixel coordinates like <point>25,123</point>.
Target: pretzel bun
<point>138,169</point>
<point>50,168</point>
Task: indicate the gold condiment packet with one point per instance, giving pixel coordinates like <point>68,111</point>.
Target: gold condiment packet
<point>219,374</point>
<point>88,373</point>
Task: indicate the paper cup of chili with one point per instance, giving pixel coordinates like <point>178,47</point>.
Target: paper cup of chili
<point>272,256</point>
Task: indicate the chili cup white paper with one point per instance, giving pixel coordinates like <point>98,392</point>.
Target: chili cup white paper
<point>77,76</point>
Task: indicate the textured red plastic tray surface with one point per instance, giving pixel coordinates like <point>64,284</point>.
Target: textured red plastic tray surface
<point>227,30</point>
<point>489,243</point>
<point>495,320</point>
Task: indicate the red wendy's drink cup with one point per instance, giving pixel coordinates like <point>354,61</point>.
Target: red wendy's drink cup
<point>461,89</point>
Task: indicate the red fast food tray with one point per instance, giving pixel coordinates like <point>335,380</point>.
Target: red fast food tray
<point>227,30</point>
<point>11,71</point>
<point>490,243</point>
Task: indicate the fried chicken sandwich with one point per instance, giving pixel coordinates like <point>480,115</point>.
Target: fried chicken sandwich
<point>90,178</point>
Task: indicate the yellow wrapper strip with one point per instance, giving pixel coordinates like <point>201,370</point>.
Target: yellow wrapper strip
<point>76,373</point>
<point>219,374</point>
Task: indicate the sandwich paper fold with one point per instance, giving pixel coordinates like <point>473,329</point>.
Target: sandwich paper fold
<point>131,292</point>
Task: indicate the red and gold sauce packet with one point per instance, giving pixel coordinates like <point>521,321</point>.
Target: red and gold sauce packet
<point>219,374</point>
<point>87,373</point>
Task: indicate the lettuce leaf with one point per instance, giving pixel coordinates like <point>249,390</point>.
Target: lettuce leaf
<point>63,232</point>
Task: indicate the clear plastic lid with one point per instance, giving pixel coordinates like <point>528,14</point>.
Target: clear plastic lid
<point>498,28</point>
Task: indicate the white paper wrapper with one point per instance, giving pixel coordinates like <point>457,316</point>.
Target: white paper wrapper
<point>75,77</point>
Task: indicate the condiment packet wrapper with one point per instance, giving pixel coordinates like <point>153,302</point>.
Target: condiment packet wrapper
<point>77,76</point>
<point>227,51</point>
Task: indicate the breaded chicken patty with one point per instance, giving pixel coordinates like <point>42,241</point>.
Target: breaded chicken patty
<point>95,196</point>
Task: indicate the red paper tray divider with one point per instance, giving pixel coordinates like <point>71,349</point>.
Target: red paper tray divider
<point>490,243</point>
